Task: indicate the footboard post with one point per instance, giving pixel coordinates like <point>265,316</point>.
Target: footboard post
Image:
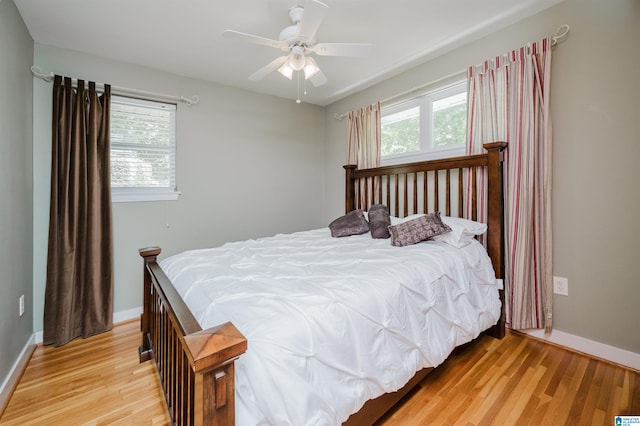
<point>145,351</point>
<point>212,354</point>
<point>195,366</point>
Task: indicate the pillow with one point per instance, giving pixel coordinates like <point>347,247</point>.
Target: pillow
<point>463,231</point>
<point>379,221</point>
<point>353,223</point>
<point>397,220</point>
<point>416,230</point>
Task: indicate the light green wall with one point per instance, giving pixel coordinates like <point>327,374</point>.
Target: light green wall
<point>596,177</point>
<point>248,165</point>
<point>16,54</point>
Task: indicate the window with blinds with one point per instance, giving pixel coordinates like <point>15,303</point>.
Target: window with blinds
<point>143,150</point>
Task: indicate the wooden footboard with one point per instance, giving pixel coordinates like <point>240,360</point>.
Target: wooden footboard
<point>196,367</point>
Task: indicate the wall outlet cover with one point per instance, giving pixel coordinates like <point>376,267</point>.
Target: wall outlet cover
<point>561,286</point>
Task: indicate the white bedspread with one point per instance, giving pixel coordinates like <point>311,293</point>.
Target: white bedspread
<point>333,322</point>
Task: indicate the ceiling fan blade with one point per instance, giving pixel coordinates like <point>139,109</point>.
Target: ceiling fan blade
<point>251,38</point>
<point>319,79</point>
<point>270,67</point>
<point>343,49</point>
<point>312,17</point>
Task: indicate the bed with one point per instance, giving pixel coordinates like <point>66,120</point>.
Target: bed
<point>297,359</point>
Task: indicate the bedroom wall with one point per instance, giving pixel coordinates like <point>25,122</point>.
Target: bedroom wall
<point>596,117</point>
<point>248,165</point>
<point>16,54</point>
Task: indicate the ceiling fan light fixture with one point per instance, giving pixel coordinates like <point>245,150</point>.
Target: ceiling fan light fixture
<point>310,68</point>
<point>286,70</point>
<point>296,58</point>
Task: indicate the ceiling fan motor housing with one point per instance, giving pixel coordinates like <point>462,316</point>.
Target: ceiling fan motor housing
<point>295,14</point>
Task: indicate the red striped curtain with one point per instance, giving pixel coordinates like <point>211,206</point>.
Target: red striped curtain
<point>508,100</point>
<point>363,144</point>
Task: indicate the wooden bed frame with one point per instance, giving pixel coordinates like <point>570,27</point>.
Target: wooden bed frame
<point>196,367</point>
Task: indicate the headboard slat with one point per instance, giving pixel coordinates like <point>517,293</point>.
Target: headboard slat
<point>474,194</point>
<point>405,201</point>
<point>460,193</point>
<point>436,191</point>
<point>425,186</point>
<point>448,194</point>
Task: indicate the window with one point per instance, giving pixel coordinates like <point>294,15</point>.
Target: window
<point>431,126</point>
<point>143,150</point>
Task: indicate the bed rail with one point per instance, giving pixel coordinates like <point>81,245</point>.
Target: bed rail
<point>195,366</point>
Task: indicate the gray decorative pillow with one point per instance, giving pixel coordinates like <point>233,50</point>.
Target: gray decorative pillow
<point>379,221</point>
<point>417,230</point>
<point>353,223</point>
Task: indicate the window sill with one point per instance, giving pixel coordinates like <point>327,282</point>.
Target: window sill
<point>120,197</point>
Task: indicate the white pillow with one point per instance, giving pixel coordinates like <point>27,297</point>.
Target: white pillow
<point>463,231</point>
<point>398,220</point>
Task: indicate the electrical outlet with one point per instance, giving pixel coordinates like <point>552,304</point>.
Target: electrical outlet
<point>21,305</point>
<point>561,286</point>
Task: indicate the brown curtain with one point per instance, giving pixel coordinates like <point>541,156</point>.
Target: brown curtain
<point>79,289</point>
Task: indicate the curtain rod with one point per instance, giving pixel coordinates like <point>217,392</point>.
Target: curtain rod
<point>561,33</point>
<point>123,90</point>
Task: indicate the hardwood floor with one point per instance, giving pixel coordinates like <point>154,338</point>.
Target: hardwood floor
<point>520,381</point>
<point>94,381</point>
<point>514,381</point>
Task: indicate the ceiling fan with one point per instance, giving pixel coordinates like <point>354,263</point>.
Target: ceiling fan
<point>299,41</point>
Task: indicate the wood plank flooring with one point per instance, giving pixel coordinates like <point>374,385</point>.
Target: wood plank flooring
<point>94,381</point>
<point>520,381</point>
<point>514,381</point>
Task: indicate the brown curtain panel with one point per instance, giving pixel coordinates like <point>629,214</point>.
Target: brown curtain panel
<point>79,289</point>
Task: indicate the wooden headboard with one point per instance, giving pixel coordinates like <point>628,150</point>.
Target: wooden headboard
<point>439,185</point>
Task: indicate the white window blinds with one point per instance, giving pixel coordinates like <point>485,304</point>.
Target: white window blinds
<point>143,150</point>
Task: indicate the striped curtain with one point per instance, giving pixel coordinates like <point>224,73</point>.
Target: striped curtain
<point>363,146</point>
<point>508,100</point>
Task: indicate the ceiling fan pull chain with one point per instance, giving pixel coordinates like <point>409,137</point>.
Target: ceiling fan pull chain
<point>298,77</point>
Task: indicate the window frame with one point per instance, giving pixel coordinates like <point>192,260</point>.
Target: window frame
<point>146,193</point>
<point>425,102</point>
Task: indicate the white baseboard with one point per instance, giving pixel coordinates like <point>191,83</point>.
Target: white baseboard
<point>127,315</point>
<point>117,317</point>
<point>10,382</point>
<point>589,347</point>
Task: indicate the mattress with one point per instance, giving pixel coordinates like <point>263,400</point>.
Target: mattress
<point>334,322</point>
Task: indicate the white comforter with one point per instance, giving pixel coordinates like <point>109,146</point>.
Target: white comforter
<point>333,322</point>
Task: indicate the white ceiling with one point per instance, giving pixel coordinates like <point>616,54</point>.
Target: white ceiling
<point>185,36</point>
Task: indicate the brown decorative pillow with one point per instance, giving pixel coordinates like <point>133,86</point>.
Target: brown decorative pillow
<point>379,221</point>
<point>417,230</point>
<point>353,223</point>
